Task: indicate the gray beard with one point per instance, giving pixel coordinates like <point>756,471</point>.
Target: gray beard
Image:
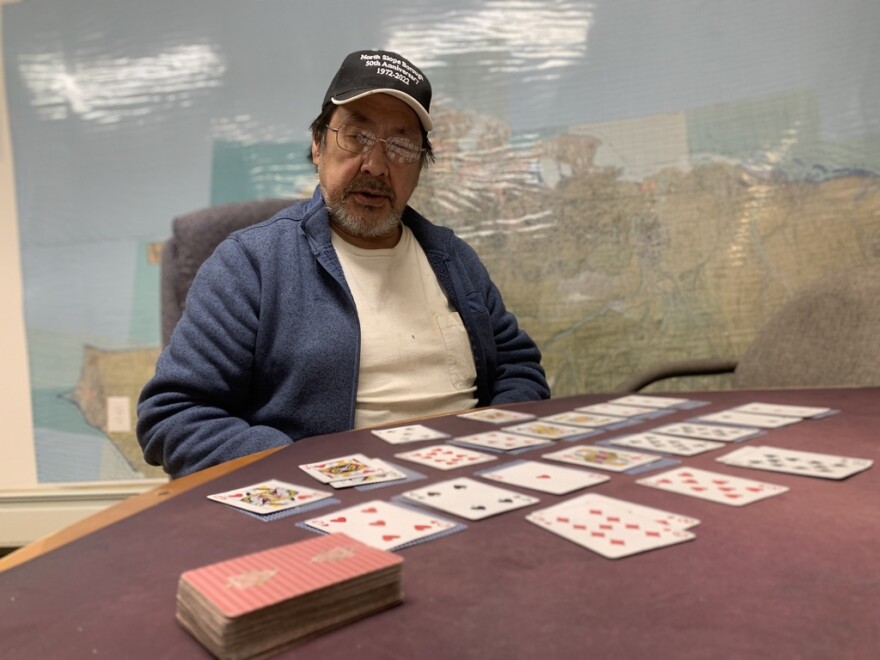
<point>357,227</point>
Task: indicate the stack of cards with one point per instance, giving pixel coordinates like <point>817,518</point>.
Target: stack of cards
<point>614,528</point>
<point>352,470</point>
<point>383,525</point>
<point>605,458</point>
<point>713,486</point>
<point>258,604</point>
<point>806,463</point>
<point>468,499</point>
<point>270,497</point>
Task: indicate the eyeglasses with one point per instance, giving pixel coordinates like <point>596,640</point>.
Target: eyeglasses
<point>356,140</point>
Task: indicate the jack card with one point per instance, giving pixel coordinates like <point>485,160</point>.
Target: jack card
<point>343,467</point>
<point>269,496</point>
<point>605,458</point>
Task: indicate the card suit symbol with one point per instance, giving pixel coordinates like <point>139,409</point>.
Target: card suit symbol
<point>754,489</point>
<point>434,493</point>
<point>580,526</point>
<point>378,523</point>
<point>303,497</point>
<point>478,507</point>
<point>562,519</point>
<point>340,519</point>
<point>732,496</point>
<point>390,537</point>
<point>543,476</point>
<point>421,528</point>
<point>506,500</point>
<point>699,489</point>
<point>371,509</point>
<point>459,486</point>
<point>617,542</point>
<point>654,534</point>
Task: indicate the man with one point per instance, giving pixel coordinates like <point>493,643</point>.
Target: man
<point>344,311</point>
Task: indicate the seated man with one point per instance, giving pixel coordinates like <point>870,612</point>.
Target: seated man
<point>344,311</point>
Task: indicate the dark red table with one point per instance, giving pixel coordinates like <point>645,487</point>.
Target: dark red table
<point>794,576</point>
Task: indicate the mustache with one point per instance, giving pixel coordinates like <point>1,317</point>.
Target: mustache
<point>368,185</point>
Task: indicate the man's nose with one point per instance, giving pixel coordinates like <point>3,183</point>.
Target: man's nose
<point>375,161</point>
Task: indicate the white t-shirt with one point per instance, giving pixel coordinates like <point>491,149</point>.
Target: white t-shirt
<point>416,358</point>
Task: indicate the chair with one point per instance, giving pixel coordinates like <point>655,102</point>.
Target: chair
<point>194,237</point>
<point>826,335</point>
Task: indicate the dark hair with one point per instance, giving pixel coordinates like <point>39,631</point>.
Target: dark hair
<point>318,129</point>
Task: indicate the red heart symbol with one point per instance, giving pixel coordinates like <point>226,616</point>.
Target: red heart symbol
<point>340,519</point>
<point>390,537</point>
<point>372,509</point>
<point>420,528</point>
<point>378,523</point>
<point>543,476</point>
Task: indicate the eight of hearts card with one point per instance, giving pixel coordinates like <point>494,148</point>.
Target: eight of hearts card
<point>400,435</point>
<point>613,528</point>
<point>805,463</point>
<point>445,457</point>
<point>269,496</point>
<point>605,458</point>
<point>553,479</point>
<point>468,498</point>
<point>383,525</point>
<point>713,486</point>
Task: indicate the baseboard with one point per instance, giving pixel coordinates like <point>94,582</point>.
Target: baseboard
<point>33,513</point>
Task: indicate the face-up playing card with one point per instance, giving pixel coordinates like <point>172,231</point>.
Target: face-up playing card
<point>802,412</point>
<point>382,525</point>
<point>608,527</point>
<point>343,467</point>
<point>497,416</point>
<point>645,401</point>
<point>469,499</point>
<point>548,430</point>
<point>748,419</point>
<point>806,463</point>
<point>617,410</point>
<point>502,441</point>
<point>713,486</point>
<point>669,444</point>
<point>401,435</point>
<point>554,479</point>
<point>606,458</point>
<point>269,496</point>
<point>659,516</point>
<point>717,432</point>
<point>445,457</point>
<point>384,473</point>
<point>589,420</point>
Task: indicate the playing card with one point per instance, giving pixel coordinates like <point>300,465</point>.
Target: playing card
<point>468,498</point>
<point>713,486</point>
<point>382,525</point>
<point>548,430</point>
<point>343,467</point>
<point>502,441</point>
<point>497,416</point>
<point>445,457</point>
<point>608,527</point>
<point>384,473</point>
<point>645,401</point>
<point>553,479</point>
<point>659,516</point>
<point>748,419</point>
<point>589,420</point>
<point>617,410</point>
<point>400,435</point>
<point>269,496</point>
<point>669,444</point>
<point>810,464</point>
<point>802,412</point>
<point>606,458</point>
<point>708,431</point>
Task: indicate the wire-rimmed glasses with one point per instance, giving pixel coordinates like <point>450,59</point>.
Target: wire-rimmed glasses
<point>357,140</point>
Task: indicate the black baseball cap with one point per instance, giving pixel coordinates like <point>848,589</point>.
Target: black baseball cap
<point>366,72</point>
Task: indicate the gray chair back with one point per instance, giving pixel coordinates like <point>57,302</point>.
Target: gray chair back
<point>194,237</point>
<point>826,335</point>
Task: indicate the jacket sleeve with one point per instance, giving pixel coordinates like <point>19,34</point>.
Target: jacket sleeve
<point>192,413</point>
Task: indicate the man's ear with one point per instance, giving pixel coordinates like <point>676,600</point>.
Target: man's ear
<point>316,152</point>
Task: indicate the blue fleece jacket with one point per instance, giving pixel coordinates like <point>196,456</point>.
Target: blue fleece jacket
<point>267,350</point>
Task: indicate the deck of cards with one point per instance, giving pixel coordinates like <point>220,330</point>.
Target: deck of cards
<point>258,604</point>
